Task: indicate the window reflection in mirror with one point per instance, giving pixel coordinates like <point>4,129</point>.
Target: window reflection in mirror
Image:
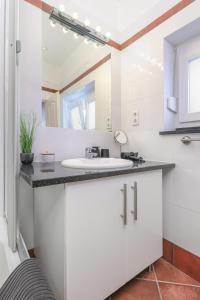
<point>79,108</point>
<point>76,81</point>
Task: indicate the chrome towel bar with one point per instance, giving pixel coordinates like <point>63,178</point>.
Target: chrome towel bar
<point>187,140</point>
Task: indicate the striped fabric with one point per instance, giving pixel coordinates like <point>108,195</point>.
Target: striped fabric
<point>26,283</point>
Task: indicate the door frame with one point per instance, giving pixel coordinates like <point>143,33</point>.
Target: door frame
<point>11,120</point>
<point>2,56</point>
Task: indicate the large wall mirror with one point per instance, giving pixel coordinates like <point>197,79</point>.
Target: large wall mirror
<point>76,80</point>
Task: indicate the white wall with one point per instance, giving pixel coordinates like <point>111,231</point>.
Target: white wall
<point>51,76</point>
<point>145,92</point>
<point>1,107</point>
<point>65,143</point>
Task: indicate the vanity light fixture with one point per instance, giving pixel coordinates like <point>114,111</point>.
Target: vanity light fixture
<point>98,28</point>
<point>78,27</point>
<point>53,24</point>
<point>86,41</point>
<point>65,30</point>
<point>108,35</point>
<point>96,46</point>
<point>62,7</point>
<point>75,15</point>
<point>87,22</point>
<point>76,36</point>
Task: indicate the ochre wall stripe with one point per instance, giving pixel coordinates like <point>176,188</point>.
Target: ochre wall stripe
<point>46,89</point>
<point>94,67</point>
<point>114,44</point>
<point>42,5</point>
<point>168,14</point>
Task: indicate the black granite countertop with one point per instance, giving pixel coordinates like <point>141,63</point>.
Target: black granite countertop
<point>39,175</point>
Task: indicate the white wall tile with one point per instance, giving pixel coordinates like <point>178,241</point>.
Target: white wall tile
<point>146,93</point>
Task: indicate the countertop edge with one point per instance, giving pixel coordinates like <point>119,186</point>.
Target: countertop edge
<point>184,130</point>
<point>84,177</point>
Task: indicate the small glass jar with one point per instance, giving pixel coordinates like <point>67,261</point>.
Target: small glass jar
<point>47,162</point>
<point>47,157</point>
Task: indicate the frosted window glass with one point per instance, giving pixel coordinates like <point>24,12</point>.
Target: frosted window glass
<point>76,120</point>
<point>194,86</point>
<point>91,121</point>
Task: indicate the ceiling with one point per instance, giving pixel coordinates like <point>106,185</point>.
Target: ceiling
<point>130,11</point>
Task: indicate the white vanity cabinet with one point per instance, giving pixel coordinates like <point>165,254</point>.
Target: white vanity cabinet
<point>112,231</point>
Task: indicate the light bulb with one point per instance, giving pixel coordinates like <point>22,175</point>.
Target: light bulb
<point>52,23</point>
<point>65,30</point>
<point>98,28</point>
<point>62,7</point>
<point>75,15</point>
<point>87,22</point>
<point>86,41</point>
<point>108,35</point>
<point>75,35</point>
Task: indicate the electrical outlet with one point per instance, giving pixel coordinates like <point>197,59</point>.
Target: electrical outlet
<point>108,124</point>
<point>135,118</point>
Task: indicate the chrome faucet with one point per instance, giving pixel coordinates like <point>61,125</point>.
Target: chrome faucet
<point>90,153</point>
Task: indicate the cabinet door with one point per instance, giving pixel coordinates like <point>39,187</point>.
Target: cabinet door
<point>95,249</point>
<point>144,230</point>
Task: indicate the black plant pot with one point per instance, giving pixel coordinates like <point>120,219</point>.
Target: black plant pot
<point>26,158</point>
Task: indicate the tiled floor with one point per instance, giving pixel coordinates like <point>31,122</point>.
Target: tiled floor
<point>164,282</point>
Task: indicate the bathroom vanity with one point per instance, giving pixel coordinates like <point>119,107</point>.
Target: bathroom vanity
<point>95,230</point>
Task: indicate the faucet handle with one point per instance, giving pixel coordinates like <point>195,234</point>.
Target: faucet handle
<point>91,152</point>
<point>88,150</point>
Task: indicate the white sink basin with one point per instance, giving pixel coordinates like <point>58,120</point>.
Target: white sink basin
<point>96,163</point>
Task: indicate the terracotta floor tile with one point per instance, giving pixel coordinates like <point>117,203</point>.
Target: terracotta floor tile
<point>179,292</point>
<point>167,272</point>
<point>147,275</point>
<point>138,290</point>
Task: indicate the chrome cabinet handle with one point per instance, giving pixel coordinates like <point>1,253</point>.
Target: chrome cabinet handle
<point>124,215</point>
<point>135,204</point>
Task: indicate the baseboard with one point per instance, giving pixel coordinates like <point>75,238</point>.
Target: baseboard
<point>182,259</point>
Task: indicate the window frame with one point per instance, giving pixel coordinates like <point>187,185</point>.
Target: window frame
<point>183,85</point>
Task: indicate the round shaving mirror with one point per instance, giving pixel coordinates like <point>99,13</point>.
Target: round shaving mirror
<point>120,137</point>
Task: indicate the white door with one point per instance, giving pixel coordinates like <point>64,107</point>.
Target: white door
<point>95,238</point>
<point>144,217</point>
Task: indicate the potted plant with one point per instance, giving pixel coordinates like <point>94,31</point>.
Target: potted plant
<point>28,125</point>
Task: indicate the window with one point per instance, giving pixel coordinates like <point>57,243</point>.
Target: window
<point>182,78</point>
<point>194,86</point>
<point>79,108</point>
<point>188,55</point>
<point>75,118</point>
<point>91,115</point>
